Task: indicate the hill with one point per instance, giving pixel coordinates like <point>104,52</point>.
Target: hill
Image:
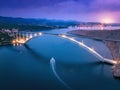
<point>34,23</point>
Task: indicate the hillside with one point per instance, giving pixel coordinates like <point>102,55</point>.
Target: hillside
<point>113,35</point>
<point>32,21</point>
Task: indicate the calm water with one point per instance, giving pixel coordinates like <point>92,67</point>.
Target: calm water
<point>29,67</point>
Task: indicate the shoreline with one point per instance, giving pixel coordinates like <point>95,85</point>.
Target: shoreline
<point>4,44</point>
<point>104,35</point>
<point>92,51</point>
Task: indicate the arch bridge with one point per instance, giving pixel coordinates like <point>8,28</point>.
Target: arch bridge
<point>22,38</point>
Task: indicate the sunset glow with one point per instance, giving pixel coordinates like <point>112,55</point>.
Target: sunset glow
<point>80,10</point>
<point>107,20</point>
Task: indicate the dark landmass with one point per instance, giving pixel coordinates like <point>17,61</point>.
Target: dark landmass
<point>112,35</point>
<point>32,21</point>
<point>26,27</point>
<point>5,39</point>
<point>40,24</point>
<point>116,70</point>
<point>114,48</point>
<point>34,24</point>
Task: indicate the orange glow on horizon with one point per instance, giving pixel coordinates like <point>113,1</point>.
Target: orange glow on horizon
<point>107,18</point>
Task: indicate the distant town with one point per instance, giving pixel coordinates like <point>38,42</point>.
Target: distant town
<point>6,35</point>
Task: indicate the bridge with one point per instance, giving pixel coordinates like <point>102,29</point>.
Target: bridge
<point>22,38</point>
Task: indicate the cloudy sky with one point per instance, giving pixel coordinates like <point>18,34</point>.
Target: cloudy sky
<point>81,10</point>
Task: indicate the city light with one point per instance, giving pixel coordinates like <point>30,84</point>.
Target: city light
<point>30,36</point>
<point>22,40</point>
<point>64,36</point>
<point>35,34</point>
<point>40,33</point>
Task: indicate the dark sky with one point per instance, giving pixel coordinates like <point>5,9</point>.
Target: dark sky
<point>81,10</point>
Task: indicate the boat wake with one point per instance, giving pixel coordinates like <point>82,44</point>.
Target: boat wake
<point>52,63</point>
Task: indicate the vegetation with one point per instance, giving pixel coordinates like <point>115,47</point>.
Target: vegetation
<point>112,35</point>
<point>25,27</point>
<point>33,24</point>
<point>5,38</point>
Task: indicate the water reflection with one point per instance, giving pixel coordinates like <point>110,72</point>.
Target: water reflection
<point>78,68</point>
<point>36,55</point>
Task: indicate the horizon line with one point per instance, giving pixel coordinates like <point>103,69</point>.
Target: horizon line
<point>57,19</point>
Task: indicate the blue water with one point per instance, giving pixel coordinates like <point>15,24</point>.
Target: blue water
<point>29,68</point>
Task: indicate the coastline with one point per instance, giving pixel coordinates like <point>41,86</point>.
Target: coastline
<point>3,44</point>
<point>5,38</point>
<point>111,43</point>
<point>107,35</point>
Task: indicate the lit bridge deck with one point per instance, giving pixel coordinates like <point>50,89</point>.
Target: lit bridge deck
<point>27,36</point>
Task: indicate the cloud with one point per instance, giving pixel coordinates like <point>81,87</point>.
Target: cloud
<point>70,6</point>
<point>105,5</point>
<point>27,3</point>
<point>83,10</point>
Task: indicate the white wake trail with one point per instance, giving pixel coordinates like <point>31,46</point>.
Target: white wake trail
<point>52,63</point>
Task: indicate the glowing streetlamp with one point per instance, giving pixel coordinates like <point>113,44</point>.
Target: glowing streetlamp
<point>40,33</point>
<point>64,36</point>
<point>35,34</point>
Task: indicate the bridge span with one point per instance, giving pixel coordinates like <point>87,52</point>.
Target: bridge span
<point>24,37</point>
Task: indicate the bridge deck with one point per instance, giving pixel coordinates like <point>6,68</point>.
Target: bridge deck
<point>92,51</point>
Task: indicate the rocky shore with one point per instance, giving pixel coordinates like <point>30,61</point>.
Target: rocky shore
<point>116,70</point>
<point>112,40</point>
<point>112,35</point>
